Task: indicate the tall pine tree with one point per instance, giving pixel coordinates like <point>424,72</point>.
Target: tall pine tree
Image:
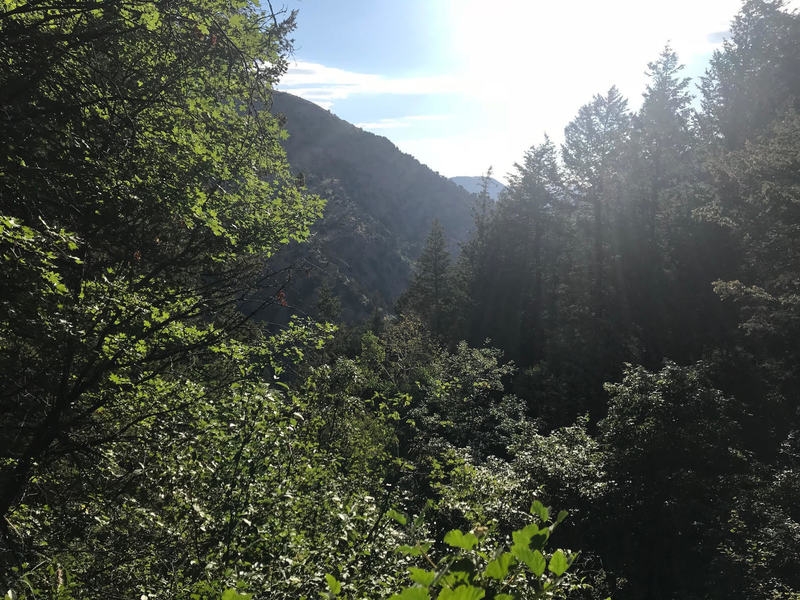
<point>430,294</point>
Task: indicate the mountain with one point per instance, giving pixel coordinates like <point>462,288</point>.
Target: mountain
<point>474,185</point>
<point>381,204</point>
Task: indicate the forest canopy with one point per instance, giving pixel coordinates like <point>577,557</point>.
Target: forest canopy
<point>597,397</point>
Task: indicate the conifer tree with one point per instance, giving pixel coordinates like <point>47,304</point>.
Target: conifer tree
<point>595,160</point>
<point>530,226</point>
<point>593,142</point>
<point>659,239</point>
<point>752,106</point>
<point>754,76</point>
<point>471,270</point>
<point>430,293</point>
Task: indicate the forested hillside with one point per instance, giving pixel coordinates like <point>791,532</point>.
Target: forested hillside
<point>380,206</point>
<point>657,249</point>
<point>594,396</point>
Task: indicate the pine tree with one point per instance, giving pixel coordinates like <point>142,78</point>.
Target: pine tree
<point>471,270</point>
<point>752,105</point>
<point>662,280</point>
<point>536,211</point>
<point>592,153</point>
<point>595,164</point>
<point>430,293</point>
<point>755,75</point>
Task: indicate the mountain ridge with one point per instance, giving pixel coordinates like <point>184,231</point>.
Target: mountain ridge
<point>474,185</point>
<point>381,205</point>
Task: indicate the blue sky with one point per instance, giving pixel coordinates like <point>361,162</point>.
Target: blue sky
<point>465,84</point>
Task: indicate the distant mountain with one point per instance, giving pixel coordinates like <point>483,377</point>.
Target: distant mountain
<point>474,185</point>
<point>381,204</point>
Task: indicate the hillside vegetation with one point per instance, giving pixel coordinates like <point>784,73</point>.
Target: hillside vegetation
<point>380,205</point>
<point>594,395</point>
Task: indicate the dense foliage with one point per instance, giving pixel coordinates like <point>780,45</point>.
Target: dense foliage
<point>666,238</point>
<point>159,442</point>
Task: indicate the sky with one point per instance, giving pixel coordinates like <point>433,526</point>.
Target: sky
<point>464,85</point>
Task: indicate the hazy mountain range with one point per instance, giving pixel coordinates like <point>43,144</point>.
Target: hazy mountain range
<point>474,185</point>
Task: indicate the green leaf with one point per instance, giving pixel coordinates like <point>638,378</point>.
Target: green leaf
<point>561,516</point>
<point>522,537</point>
<point>540,510</point>
<point>457,539</point>
<point>393,514</point>
<point>417,550</point>
<point>412,593</point>
<point>531,536</point>
<point>455,577</point>
<point>522,553</point>
<point>231,594</point>
<point>150,17</point>
<point>498,568</point>
<point>504,597</point>
<point>421,576</point>
<point>537,563</point>
<point>333,584</point>
<point>558,563</point>
<point>532,558</point>
<point>462,592</point>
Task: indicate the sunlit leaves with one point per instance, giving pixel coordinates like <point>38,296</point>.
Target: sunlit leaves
<point>472,568</point>
<point>536,563</point>
<point>334,586</point>
<point>423,577</point>
<point>538,509</point>
<point>558,563</point>
<point>393,514</point>
<point>417,550</point>
<point>457,539</point>
<point>498,568</point>
<point>462,592</point>
<point>142,188</point>
<point>150,17</point>
<point>413,593</point>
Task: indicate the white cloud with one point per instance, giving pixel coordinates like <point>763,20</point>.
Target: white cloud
<point>321,84</point>
<point>397,122</point>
